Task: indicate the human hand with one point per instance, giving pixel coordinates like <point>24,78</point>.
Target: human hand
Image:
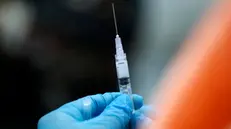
<point>140,117</point>
<point>107,111</point>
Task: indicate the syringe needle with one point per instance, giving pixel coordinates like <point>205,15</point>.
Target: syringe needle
<point>114,15</point>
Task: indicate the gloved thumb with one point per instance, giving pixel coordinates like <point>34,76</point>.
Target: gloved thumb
<point>115,116</point>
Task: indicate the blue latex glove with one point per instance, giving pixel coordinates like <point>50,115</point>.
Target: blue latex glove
<point>107,111</point>
<point>140,117</point>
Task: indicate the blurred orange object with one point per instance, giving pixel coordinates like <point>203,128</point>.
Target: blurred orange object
<point>197,87</point>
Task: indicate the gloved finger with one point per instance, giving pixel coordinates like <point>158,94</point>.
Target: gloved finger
<point>140,120</point>
<point>146,109</point>
<point>116,115</point>
<point>138,101</point>
<point>101,101</point>
<point>143,111</point>
<point>89,106</point>
<point>141,116</point>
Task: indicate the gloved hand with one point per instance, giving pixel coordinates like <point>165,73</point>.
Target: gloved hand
<point>107,111</point>
<point>140,117</point>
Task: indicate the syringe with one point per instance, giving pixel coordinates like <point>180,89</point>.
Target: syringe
<point>121,63</point>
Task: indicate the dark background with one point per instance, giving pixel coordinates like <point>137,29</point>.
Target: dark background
<point>81,47</point>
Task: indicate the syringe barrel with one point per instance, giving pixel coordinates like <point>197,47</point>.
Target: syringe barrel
<point>122,69</point>
<point>125,85</point>
<point>123,75</point>
<point>122,66</point>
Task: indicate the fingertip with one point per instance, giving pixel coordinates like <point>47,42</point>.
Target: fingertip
<point>147,109</point>
<point>138,101</point>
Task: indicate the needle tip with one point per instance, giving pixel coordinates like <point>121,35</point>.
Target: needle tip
<point>114,16</point>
